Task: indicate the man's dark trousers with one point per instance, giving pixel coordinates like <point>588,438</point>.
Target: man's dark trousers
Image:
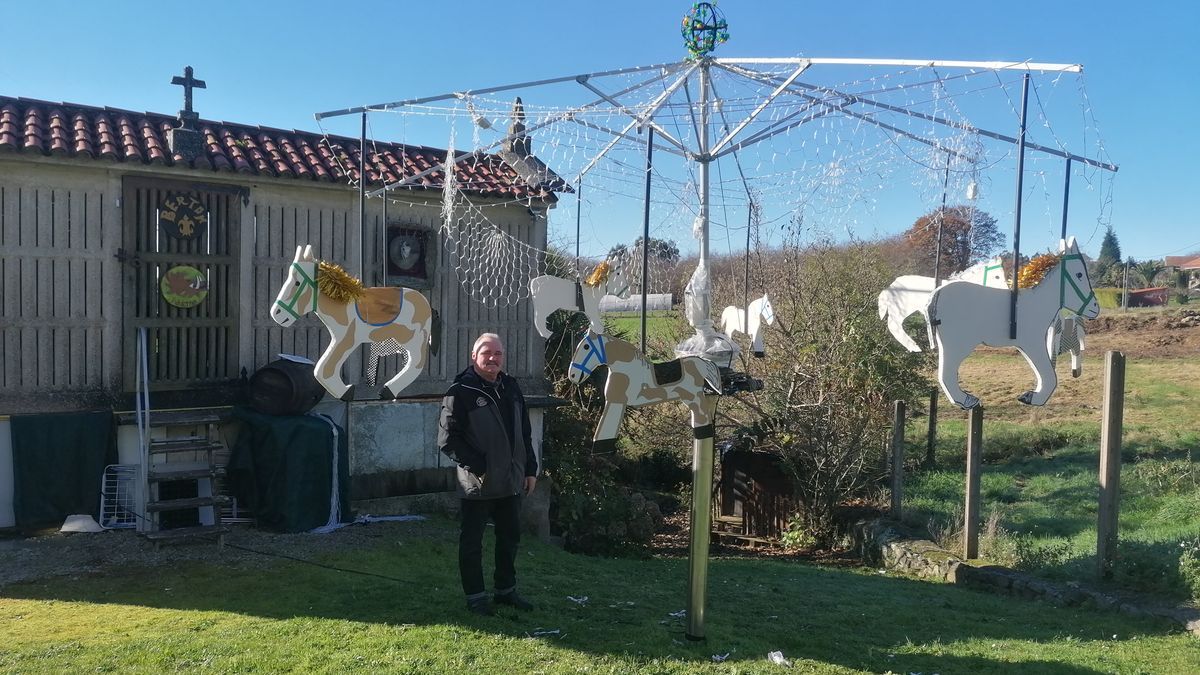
<point>505,513</point>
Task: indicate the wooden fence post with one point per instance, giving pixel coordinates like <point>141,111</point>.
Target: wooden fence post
<point>931,438</point>
<point>897,459</point>
<point>1110,461</point>
<point>974,466</point>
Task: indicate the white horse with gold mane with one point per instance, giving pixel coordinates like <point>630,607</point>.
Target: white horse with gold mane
<point>355,315</point>
<point>633,381</point>
<point>964,315</point>
<point>551,293</point>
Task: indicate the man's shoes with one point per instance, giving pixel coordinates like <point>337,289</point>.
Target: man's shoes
<point>513,600</point>
<point>481,606</point>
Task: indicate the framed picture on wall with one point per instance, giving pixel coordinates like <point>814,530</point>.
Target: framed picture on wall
<point>410,258</point>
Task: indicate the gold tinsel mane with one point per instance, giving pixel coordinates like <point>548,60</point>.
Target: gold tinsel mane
<point>1036,269</point>
<point>599,275</point>
<point>337,283</point>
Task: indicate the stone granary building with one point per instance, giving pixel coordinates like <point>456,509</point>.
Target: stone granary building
<point>98,204</point>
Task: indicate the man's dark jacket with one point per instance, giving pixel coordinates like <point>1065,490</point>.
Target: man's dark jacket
<point>485,429</point>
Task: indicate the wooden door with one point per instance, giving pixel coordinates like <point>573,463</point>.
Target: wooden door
<point>180,281</point>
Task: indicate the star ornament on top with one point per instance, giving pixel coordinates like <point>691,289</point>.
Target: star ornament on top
<point>704,27</point>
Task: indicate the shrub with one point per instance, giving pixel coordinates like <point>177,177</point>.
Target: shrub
<point>1109,298</point>
<point>1167,568</point>
<point>1189,565</point>
<point>831,373</point>
<point>797,537</point>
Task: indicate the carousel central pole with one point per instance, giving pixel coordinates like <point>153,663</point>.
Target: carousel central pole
<point>702,443</point>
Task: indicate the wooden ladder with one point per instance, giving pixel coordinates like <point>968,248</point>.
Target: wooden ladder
<point>184,457</point>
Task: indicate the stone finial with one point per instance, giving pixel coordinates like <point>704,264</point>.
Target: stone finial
<point>519,143</point>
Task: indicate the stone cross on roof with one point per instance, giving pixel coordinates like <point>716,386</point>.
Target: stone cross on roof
<point>187,116</point>
<point>184,140</point>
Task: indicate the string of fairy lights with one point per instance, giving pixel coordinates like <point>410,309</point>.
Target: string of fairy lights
<point>859,156</point>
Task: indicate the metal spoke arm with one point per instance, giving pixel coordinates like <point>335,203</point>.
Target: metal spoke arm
<point>843,108</point>
<point>916,63</point>
<point>761,107</point>
<point>627,111</point>
<point>853,98</point>
<point>570,114</point>
<point>493,90</point>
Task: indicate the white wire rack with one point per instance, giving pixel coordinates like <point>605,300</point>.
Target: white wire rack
<point>118,498</point>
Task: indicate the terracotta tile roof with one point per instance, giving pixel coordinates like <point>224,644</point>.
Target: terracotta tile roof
<point>1183,262</point>
<point>34,127</point>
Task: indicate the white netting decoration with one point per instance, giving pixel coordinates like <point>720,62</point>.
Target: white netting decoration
<point>857,151</point>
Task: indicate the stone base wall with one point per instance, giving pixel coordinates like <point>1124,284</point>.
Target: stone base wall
<point>888,544</point>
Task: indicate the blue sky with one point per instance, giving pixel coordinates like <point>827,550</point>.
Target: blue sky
<point>276,63</point>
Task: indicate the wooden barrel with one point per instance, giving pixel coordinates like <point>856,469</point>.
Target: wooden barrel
<point>284,387</point>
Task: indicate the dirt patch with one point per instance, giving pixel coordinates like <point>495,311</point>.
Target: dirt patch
<point>1146,333</point>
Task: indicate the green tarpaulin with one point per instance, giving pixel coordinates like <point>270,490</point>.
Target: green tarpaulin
<point>58,465</point>
<point>282,470</point>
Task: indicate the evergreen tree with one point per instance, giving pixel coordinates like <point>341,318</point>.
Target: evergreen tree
<point>1110,248</point>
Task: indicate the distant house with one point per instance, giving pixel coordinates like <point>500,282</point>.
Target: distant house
<point>1185,263</point>
<point>85,248</point>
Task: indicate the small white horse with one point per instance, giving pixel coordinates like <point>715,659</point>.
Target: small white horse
<point>551,293</point>
<point>376,315</point>
<point>634,381</point>
<point>965,315</point>
<point>733,319</point>
<point>910,293</point>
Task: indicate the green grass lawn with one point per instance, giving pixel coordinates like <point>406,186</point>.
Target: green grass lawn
<point>285,615</point>
<point>1040,485</point>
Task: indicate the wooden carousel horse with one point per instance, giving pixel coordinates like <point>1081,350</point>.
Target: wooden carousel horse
<point>552,293</point>
<point>910,293</point>
<point>965,315</point>
<point>733,319</point>
<point>355,315</point>
<point>633,381</point>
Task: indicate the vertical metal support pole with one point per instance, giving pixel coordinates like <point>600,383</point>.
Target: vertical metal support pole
<point>362,196</point>
<point>974,467</point>
<point>1012,307</point>
<point>746,285</point>
<point>704,159</point>
<point>381,257</point>
<point>1125,288</point>
<point>701,517</point>
<point>578,215</point>
<point>1110,461</point>
<point>1066,199</point>
<point>937,255</point>
<point>897,459</point>
<point>931,435</point>
<point>646,230</point>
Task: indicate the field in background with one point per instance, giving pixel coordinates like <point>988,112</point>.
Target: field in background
<point>1039,479</point>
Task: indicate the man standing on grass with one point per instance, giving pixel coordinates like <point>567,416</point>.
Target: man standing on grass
<point>484,428</point>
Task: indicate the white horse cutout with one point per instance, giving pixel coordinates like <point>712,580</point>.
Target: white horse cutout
<point>552,293</point>
<point>373,315</point>
<point>910,293</point>
<point>634,381</point>
<point>733,319</point>
<point>965,315</point>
